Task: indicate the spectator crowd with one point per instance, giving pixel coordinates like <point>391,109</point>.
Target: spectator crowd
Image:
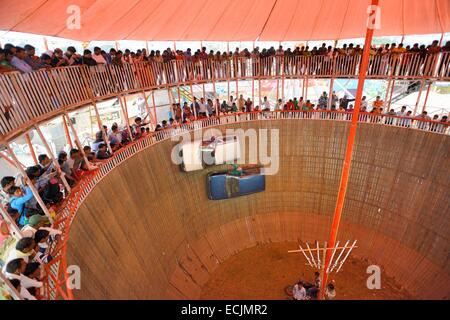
<point>23,264</point>
<point>25,60</point>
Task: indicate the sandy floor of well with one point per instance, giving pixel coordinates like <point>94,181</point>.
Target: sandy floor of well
<point>264,272</point>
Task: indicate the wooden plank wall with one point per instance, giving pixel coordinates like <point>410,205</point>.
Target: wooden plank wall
<point>148,231</point>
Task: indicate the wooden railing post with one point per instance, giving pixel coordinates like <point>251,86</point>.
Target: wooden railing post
<point>14,293</point>
<point>75,135</point>
<point>52,157</point>
<point>124,107</point>
<point>29,184</point>
<point>30,146</point>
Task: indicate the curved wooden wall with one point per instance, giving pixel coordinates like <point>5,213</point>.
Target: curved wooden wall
<point>148,231</point>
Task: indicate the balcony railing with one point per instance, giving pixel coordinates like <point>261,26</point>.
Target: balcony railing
<point>29,98</point>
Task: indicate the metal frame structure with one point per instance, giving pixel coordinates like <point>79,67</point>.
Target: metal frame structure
<point>319,264</point>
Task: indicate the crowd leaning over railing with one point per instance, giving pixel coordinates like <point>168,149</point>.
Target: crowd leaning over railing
<point>326,107</point>
<point>25,60</point>
<point>22,260</point>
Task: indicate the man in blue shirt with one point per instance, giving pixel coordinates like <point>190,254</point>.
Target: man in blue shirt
<point>18,200</point>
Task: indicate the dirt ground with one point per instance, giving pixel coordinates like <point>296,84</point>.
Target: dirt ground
<point>264,272</point>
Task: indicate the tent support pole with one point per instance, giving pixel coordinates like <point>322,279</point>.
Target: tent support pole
<point>349,152</point>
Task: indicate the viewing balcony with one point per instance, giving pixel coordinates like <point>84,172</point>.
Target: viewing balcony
<point>28,99</point>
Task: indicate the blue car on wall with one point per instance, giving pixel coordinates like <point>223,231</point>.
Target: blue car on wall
<point>226,184</point>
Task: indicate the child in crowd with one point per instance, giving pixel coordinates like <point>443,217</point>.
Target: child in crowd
<point>62,161</point>
<point>6,184</point>
<point>42,239</point>
<point>102,153</point>
<point>143,132</point>
<point>18,201</point>
<point>38,222</point>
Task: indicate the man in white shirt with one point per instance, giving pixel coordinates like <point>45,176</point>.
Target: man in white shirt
<point>407,121</point>
<point>421,124</point>
<point>330,292</point>
<point>98,57</point>
<point>299,291</point>
<point>202,111</point>
<point>14,269</point>
<point>115,136</point>
<point>301,103</point>
<point>230,102</point>
<point>278,107</point>
<point>265,104</point>
<point>140,102</point>
<point>74,161</point>
<point>364,102</point>
<point>401,113</point>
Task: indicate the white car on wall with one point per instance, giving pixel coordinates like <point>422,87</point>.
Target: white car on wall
<point>199,154</point>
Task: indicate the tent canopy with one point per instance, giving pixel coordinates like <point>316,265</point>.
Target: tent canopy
<point>221,20</point>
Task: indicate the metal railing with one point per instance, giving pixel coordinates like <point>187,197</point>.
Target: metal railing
<point>27,99</point>
<point>57,286</point>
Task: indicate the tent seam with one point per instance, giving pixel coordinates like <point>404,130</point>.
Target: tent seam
<point>290,22</point>
<point>343,21</point>
<point>267,20</point>
<point>315,20</point>
<point>142,23</point>
<point>439,16</point>
<point>28,16</point>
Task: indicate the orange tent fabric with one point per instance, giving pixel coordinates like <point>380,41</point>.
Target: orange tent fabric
<point>222,20</point>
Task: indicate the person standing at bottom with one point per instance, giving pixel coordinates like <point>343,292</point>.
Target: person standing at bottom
<point>299,291</point>
<point>330,292</point>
